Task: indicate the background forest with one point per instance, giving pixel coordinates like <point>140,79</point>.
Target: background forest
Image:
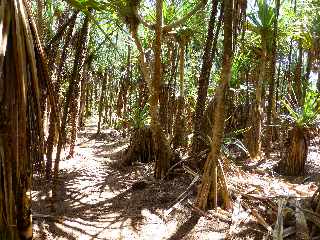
<point>109,109</point>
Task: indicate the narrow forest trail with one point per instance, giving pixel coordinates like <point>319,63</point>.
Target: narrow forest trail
<point>99,200</point>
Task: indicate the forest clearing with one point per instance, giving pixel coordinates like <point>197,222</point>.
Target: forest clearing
<point>159,119</point>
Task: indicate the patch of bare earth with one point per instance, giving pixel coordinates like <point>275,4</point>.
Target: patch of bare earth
<point>101,199</point>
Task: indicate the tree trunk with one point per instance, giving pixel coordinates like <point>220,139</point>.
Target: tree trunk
<point>272,69</point>
<point>297,77</point>
<point>40,23</point>
<point>162,149</point>
<point>294,161</point>
<point>208,191</point>
<point>255,133</point>
<point>204,80</point>
<point>102,99</point>
<point>83,92</point>
<point>74,100</point>
<point>22,70</point>
<point>71,93</point>
<point>53,125</point>
<point>318,82</point>
<point>179,138</point>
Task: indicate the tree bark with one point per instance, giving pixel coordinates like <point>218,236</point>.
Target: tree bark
<point>102,99</point>
<point>71,93</point>
<point>21,72</point>
<point>178,139</point>
<point>53,124</point>
<point>208,192</point>
<point>161,146</point>
<point>204,81</point>
<point>74,100</point>
<point>271,99</point>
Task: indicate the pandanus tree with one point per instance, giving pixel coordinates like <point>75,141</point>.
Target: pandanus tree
<point>23,69</point>
<point>152,74</point>
<point>262,23</point>
<point>301,121</point>
<point>203,82</point>
<point>208,194</point>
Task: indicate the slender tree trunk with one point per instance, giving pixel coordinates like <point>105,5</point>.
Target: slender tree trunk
<point>74,101</point>
<point>161,146</point>
<point>297,77</point>
<point>102,99</point>
<point>271,99</point>
<point>179,138</point>
<point>254,143</point>
<point>83,92</point>
<point>40,23</point>
<point>71,94</point>
<point>204,80</point>
<point>53,125</point>
<point>318,82</point>
<point>208,192</point>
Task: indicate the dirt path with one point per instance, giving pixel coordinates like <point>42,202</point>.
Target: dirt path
<point>99,200</point>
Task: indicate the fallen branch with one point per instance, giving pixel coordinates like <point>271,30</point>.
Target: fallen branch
<point>278,229</point>
<point>182,196</point>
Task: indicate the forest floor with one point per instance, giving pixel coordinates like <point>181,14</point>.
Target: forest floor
<point>102,199</point>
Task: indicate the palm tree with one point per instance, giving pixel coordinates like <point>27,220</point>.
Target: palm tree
<point>23,69</point>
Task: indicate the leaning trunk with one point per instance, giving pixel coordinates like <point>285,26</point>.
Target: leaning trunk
<point>74,100</point>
